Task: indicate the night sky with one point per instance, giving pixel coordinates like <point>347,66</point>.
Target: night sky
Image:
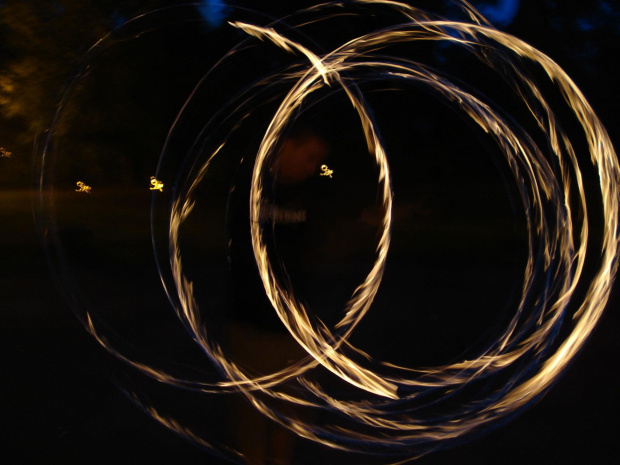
<point>59,393</point>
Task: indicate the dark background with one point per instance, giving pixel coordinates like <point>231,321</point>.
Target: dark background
<point>58,402</point>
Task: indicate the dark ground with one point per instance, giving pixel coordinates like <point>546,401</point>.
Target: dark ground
<point>59,403</point>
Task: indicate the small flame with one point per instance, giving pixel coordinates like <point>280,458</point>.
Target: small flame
<point>4,153</point>
<point>156,184</point>
<point>83,187</point>
<point>326,171</point>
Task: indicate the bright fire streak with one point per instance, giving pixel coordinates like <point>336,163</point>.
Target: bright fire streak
<point>292,314</point>
<point>299,325</point>
<point>285,44</point>
<point>551,229</point>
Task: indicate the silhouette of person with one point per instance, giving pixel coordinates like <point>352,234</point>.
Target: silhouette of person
<point>258,341</point>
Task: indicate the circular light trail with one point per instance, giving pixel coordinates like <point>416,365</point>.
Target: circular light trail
<point>397,412</point>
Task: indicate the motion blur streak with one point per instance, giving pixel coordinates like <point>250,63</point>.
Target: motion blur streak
<point>393,411</point>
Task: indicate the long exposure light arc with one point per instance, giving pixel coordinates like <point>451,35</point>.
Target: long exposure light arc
<point>547,179</point>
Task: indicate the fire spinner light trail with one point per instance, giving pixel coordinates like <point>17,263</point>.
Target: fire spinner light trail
<point>393,416</point>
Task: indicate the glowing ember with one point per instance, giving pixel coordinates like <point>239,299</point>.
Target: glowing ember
<point>81,187</point>
<point>156,185</point>
<point>325,171</point>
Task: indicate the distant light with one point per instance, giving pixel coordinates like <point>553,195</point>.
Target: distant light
<point>605,7</point>
<point>118,20</point>
<point>584,24</point>
<point>502,13</point>
<point>214,12</point>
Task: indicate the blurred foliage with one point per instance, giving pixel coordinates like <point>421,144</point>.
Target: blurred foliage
<point>43,40</point>
<point>40,43</point>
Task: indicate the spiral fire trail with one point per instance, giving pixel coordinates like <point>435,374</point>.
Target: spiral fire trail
<point>397,412</point>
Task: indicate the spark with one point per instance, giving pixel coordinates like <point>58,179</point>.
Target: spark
<point>156,185</point>
<point>325,171</point>
<point>81,187</point>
